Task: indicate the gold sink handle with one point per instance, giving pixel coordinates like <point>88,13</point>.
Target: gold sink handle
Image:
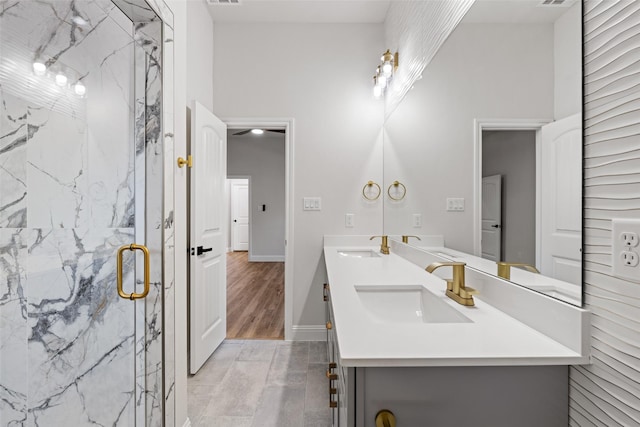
<point>456,288</point>
<point>384,245</point>
<point>504,268</point>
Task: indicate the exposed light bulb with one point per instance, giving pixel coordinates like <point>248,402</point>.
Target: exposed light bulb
<point>39,68</point>
<point>257,131</point>
<point>377,91</point>
<point>382,81</point>
<point>387,69</point>
<point>80,89</point>
<point>61,79</point>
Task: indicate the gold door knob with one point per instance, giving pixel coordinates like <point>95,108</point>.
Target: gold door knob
<point>385,418</point>
<point>329,325</point>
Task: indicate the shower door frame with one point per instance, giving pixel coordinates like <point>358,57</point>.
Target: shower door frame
<point>138,12</point>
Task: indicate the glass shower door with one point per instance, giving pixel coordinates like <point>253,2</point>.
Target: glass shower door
<point>80,177</point>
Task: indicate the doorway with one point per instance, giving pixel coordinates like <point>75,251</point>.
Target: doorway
<point>257,222</point>
<point>510,148</point>
<point>509,195</point>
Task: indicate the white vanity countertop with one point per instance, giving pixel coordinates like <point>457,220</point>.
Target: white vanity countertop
<point>491,338</point>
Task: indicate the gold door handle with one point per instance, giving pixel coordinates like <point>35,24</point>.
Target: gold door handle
<point>145,251</point>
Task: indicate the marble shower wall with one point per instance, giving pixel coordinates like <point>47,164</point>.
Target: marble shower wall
<point>72,190</point>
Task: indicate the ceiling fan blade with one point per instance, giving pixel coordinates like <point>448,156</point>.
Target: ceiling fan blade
<point>242,132</point>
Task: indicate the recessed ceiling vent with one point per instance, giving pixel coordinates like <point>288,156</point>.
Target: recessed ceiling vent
<point>214,2</point>
<point>553,3</point>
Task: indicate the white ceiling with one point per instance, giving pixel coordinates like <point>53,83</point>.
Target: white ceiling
<point>301,11</point>
<point>375,11</point>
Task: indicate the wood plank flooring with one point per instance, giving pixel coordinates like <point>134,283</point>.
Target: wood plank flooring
<point>255,298</point>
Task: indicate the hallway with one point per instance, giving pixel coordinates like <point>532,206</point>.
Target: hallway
<point>262,383</point>
<point>255,298</point>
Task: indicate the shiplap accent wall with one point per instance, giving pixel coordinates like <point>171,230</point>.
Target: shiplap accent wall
<point>417,43</point>
<point>607,392</point>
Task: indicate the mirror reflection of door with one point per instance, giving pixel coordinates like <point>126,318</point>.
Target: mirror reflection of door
<point>511,154</point>
<point>240,214</point>
<point>561,199</point>
<point>492,217</point>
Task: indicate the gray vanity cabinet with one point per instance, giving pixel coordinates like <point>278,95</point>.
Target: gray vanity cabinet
<point>445,396</point>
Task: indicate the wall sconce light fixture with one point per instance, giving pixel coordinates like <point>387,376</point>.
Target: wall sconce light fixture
<point>384,73</point>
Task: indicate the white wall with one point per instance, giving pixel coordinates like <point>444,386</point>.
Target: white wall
<point>484,71</point>
<point>319,75</point>
<point>607,392</point>
<point>567,57</point>
<point>199,54</point>
<point>192,71</point>
<point>512,154</point>
<point>263,159</point>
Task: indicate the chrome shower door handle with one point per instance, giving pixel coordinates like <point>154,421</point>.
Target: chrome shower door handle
<point>119,273</point>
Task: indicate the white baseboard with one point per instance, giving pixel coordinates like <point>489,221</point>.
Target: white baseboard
<point>309,333</point>
<point>266,258</point>
<point>187,423</point>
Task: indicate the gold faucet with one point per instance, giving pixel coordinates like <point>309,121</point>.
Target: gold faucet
<point>405,239</point>
<point>456,289</point>
<point>384,246</point>
<point>504,268</point>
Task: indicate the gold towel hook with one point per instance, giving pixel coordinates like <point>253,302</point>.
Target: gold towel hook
<point>397,185</point>
<point>369,185</point>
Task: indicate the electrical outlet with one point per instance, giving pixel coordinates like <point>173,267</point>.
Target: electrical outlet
<point>629,258</point>
<point>349,220</point>
<point>629,238</point>
<point>626,259</point>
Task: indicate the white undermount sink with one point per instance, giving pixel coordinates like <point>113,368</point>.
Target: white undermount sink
<point>407,304</point>
<point>358,253</point>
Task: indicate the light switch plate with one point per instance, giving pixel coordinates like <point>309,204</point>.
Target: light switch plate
<point>455,204</point>
<point>312,203</point>
<point>626,251</point>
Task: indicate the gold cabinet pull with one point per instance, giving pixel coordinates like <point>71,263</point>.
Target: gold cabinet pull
<point>385,418</point>
<point>119,273</point>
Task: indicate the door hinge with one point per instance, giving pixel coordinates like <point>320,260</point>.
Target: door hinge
<point>188,162</point>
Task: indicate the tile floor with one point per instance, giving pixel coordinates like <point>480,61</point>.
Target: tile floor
<point>262,383</point>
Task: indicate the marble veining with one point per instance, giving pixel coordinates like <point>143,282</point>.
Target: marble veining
<point>81,175</point>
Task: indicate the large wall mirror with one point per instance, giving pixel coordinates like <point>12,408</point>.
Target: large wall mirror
<point>488,144</point>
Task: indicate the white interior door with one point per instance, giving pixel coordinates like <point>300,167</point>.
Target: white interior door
<point>491,243</point>
<point>561,199</point>
<point>240,214</point>
<point>208,276</point>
